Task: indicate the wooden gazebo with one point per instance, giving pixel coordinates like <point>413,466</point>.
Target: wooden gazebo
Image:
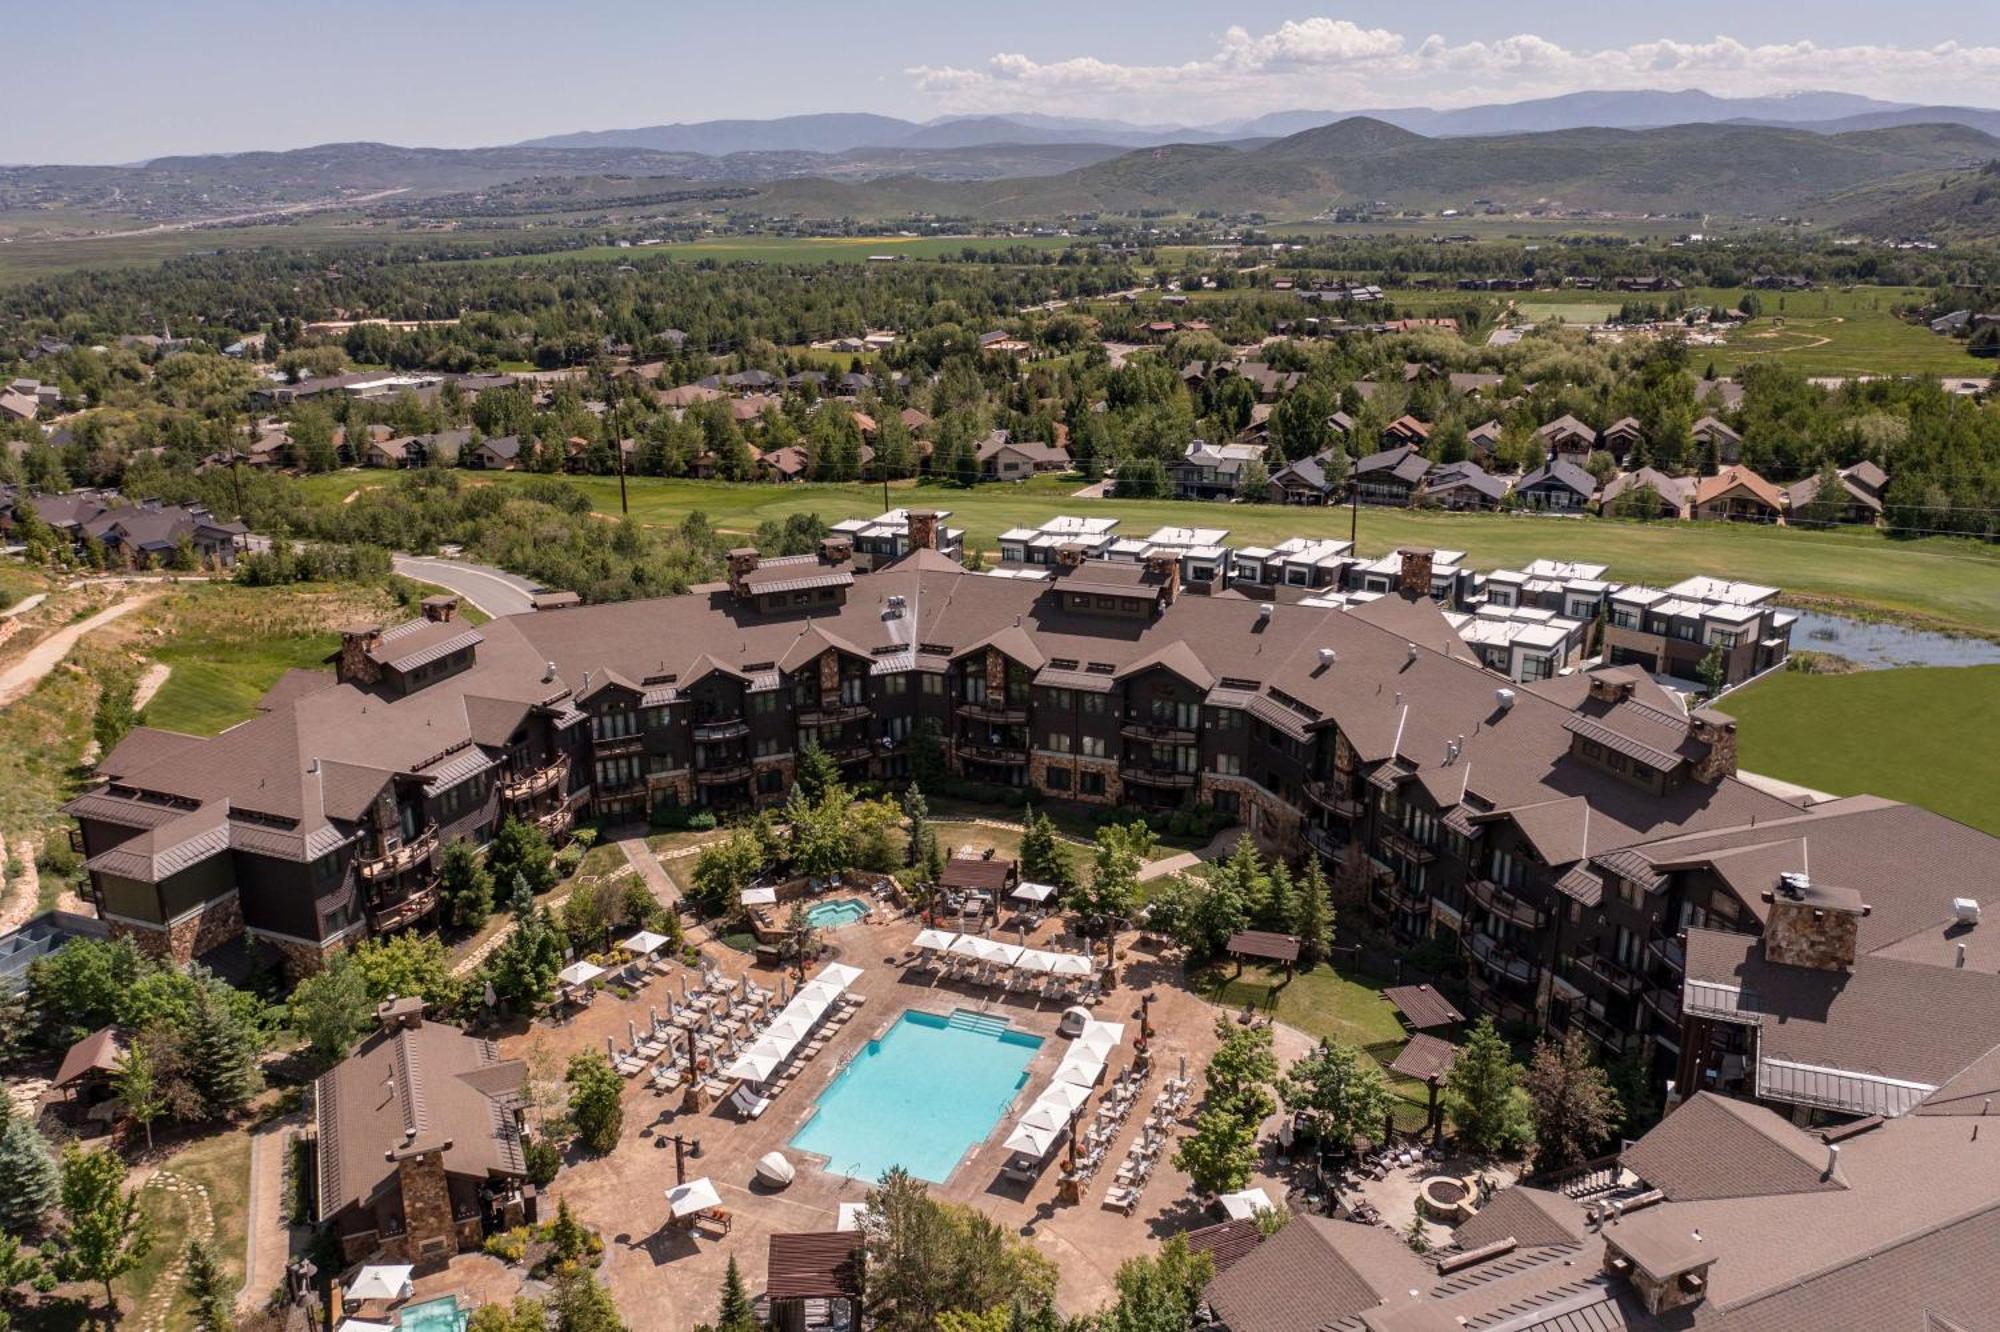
<point>1423,1007</point>
<point>813,1266</point>
<point>1428,1059</point>
<point>1264,946</point>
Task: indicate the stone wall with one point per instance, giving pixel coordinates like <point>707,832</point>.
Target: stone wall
<point>1041,763</point>
<point>1800,934</point>
<point>1277,828</point>
<point>429,1233</point>
<point>209,926</point>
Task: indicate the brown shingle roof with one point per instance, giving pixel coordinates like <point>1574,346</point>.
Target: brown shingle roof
<point>1713,1147</point>
<point>1422,1006</point>
<point>1425,1058</point>
<point>978,873</point>
<point>1312,1274</point>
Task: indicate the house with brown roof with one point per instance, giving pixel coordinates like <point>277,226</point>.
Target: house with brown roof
<point>1557,486</point>
<point>1392,476</point>
<point>1647,493</point>
<point>416,1144</point>
<point>1405,430</point>
<point>1724,445</point>
<point>1738,495</point>
<point>1861,492</point>
<point>1567,437</point>
<point>1004,458</point>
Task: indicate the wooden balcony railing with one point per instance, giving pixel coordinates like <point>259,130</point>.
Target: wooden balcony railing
<point>531,784</point>
<point>721,728</point>
<point>1500,960</point>
<point>992,753</point>
<point>395,861</point>
<point>832,714</point>
<point>1171,778</point>
<point>1504,904</point>
<point>1004,714</point>
<point>1408,847</point>
<point>1137,728</point>
<point>1615,975</point>
<point>723,774</point>
<point>413,905</point>
<point>1334,799</point>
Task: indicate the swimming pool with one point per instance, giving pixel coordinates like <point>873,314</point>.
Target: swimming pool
<point>441,1315</point>
<point>840,911</point>
<point>921,1096</point>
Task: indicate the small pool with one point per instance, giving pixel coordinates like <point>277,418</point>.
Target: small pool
<point>832,915</point>
<point>921,1097</point>
<point>441,1315</point>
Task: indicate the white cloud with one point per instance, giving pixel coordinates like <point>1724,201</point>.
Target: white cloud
<point>1334,64</point>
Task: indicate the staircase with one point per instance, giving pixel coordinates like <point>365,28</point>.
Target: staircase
<point>964,1019</point>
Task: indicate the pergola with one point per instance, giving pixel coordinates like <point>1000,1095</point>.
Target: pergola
<point>1264,946</point>
<point>814,1265</point>
<point>1423,1007</point>
<point>1427,1059</point>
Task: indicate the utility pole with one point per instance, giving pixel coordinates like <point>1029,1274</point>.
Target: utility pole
<point>624,507</point>
<point>1353,512</point>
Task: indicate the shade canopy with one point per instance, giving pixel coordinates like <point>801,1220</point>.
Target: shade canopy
<point>965,945</point>
<point>363,1325</point>
<point>1080,1068</point>
<point>754,1064</point>
<point>696,1195</point>
<point>1064,1094</point>
<point>935,940</point>
<point>1044,1115</point>
<point>837,974</point>
<point>1034,892</point>
<point>579,973</point>
<point>1100,1038</point>
<point>1265,945</point>
<point>1246,1203</point>
<point>1031,1140</point>
<point>645,942</point>
<point>993,950</point>
<point>1072,964</point>
<point>758,897</point>
<point>1422,1006</point>
<point>1035,959</point>
<point>381,1283</point>
<point>850,1216</point>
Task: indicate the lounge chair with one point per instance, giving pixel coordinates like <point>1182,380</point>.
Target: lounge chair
<point>748,1104</point>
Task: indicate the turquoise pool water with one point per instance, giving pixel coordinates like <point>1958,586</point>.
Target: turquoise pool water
<point>840,911</point>
<point>920,1097</point>
<point>433,1316</point>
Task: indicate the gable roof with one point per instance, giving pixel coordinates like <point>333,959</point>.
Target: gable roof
<point>1714,1147</point>
<point>1731,478</point>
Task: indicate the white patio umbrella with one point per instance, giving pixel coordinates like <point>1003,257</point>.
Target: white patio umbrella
<point>694,1196</point>
<point>1035,959</point>
<point>579,973</point>
<point>754,1065</point>
<point>645,943</point>
<point>966,945</point>
<point>1080,1068</point>
<point>1033,892</point>
<point>1031,1141</point>
<point>362,1325</point>
<point>1046,1116</point>
<point>1101,1038</point>
<point>992,950</point>
<point>759,897</point>
<point>1073,964</point>
<point>821,992</point>
<point>1065,1094</point>
<point>381,1283</point>
<point>789,1027</point>
<point>936,941</point>
<point>1245,1203</point>
<point>837,974</point>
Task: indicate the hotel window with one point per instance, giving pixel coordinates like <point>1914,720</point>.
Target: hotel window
<point>934,685</point>
<point>896,728</point>
<point>893,686</point>
<point>1090,783</point>
<point>1059,741</point>
<point>613,725</point>
<point>764,704</point>
<point>1057,779</point>
<point>1093,705</point>
<point>1229,765</point>
<point>1624,617</point>
<point>1093,746</point>
<point>1535,668</point>
<point>1722,638</point>
<point>767,745</point>
<point>1061,699</point>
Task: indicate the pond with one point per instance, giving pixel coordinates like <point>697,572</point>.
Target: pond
<point>1875,646</point>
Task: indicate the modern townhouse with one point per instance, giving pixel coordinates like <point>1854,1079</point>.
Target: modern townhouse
<point>1671,631</point>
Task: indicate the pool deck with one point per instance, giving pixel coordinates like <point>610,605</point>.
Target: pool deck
<point>668,1279</point>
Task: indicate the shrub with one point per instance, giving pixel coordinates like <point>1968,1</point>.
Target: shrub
<point>509,1246</point>
<point>702,821</point>
<point>544,1159</point>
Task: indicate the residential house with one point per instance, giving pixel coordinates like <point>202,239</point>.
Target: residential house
<point>1737,494</point>
<point>1038,545</point>
<point>1392,476</point>
<point>1213,471</point>
<point>18,406</point>
<point>1557,486</point>
<point>790,463</point>
<point>416,1150</point>
<point>1863,500</point>
<point>744,381</point>
<point>149,534</point>
<point>1723,395</point>
<point>1648,493</point>
<point>687,395</point>
<point>1621,437</point>
<point>1302,563</point>
<point>1304,482</point>
<point>1484,438</point>
<point>1200,553</point>
<point>1567,438</point>
<point>1722,443</point>
<point>1405,430</point>
<point>1523,643</point>
<point>1561,587</point>
<point>501,453</point>
<point>1462,486</point>
<point>1004,458</point>
<point>1672,631</point>
<point>892,535</point>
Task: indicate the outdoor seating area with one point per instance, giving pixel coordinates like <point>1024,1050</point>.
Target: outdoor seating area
<point>1055,1111</point>
<point>1155,1137</point>
<point>975,959</point>
<point>696,1207</point>
<point>764,1067</point>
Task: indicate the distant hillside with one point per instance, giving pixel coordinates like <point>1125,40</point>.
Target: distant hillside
<point>831,133</point>
<point>1636,109</point>
<point>1732,169</point>
<point>1956,205</point>
<point>1976,118</point>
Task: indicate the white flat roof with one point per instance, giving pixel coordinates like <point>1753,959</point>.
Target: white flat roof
<point>1564,569</point>
<point>1722,589</point>
<point>1188,536</point>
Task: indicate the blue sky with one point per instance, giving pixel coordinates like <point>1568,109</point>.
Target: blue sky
<point>119,80</point>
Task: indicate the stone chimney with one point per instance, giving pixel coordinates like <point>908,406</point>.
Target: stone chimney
<point>835,550</point>
<point>923,529</point>
<point>1069,555</point>
<point>1607,690</point>
<point>1812,926</point>
<point>1165,566</point>
<point>352,665</point>
<point>441,609</point>
<point>1413,580</point>
<point>394,1014</point>
<point>1666,1274</point>
<point>1715,732</point>
<point>742,563</point>
<point>429,1235</point>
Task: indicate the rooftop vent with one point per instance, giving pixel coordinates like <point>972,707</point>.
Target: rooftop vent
<point>1264,612</point>
<point>1503,699</point>
<point>1794,884</point>
<point>548,672</point>
<point>1413,651</point>
<point>1327,656</point>
<point>1965,910</point>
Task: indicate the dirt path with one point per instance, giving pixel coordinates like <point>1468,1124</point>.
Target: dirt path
<point>21,678</point>
<point>198,1224</point>
<point>24,890</point>
<point>268,1236</point>
<point>149,684</point>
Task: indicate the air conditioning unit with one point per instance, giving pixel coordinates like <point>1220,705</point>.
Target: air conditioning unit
<point>1965,910</point>
<point>1503,698</point>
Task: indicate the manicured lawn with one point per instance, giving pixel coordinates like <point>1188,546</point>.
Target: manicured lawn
<point>1955,584</point>
<point>221,1164</point>
<point>1928,735</point>
<point>952,835</point>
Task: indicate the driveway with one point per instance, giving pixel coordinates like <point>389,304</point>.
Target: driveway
<point>492,590</point>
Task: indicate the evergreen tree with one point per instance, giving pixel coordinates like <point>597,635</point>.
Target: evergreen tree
<point>105,1233</point>
<point>29,1181</point>
<point>520,897</point>
<point>522,849</point>
<point>815,774</point>
<point>735,1313</point>
<point>567,1238</point>
<point>918,811</point>
<point>525,965</point>
<point>1482,1093</point>
<point>594,1101</point>
<point>1044,858</point>
<point>1576,1109</point>
<point>465,885</point>
<point>1281,910</point>
<point>203,1284</point>
<point>582,1305</point>
<point>1315,916</point>
<point>222,1055</point>
<point>927,754</point>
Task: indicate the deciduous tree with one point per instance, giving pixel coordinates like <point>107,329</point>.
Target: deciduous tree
<point>1575,1108</point>
<point>595,1103</point>
<point>104,1233</point>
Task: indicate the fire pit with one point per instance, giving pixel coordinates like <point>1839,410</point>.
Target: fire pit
<point>1447,1199</point>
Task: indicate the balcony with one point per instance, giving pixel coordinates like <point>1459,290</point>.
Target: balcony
<point>1665,1005</point>
<point>1618,977</point>
<point>723,774</point>
<point>612,748</point>
<point>1001,714</point>
<point>1409,848</point>
<point>1404,898</point>
<point>853,752</point>
<point>832,715</point>
<point>394,915</point>
<point>1170,778</point>
<point>1137,728</point>
<point>1324,842</point>
<point>992,753</point>
<point>721,728</point>
<point>1502,961</point>
<point>531,784</point>
<point>393,862</point>
<point>1504,904</point>
<point>1600,1030</point>
<point>1334,799</point>
<point>556,822</point>
<point>1487,999</point>
<point>1670,953</point>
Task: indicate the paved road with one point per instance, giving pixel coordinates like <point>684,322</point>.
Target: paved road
<point>492,590</point>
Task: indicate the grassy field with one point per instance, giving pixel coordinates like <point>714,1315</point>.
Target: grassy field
<point>1950,583</point>
<point>221,1164</point>
<point>795,249</point>
<point>1928,735</point>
